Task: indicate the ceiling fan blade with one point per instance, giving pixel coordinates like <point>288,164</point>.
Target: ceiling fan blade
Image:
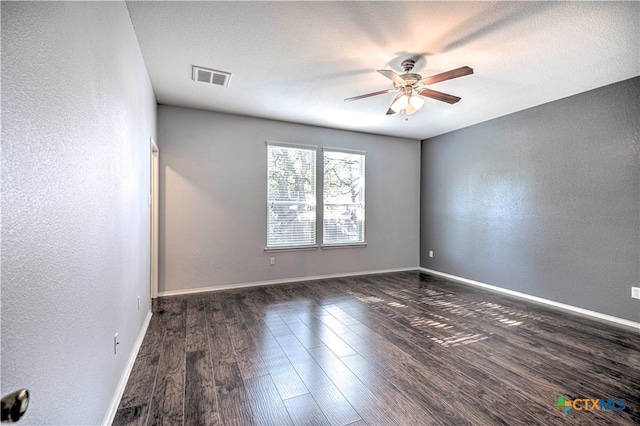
<point>447,75</point>
<point>392,76</point>
<point>444,97</point>
<point>390,112</point>
<point>355,98</point>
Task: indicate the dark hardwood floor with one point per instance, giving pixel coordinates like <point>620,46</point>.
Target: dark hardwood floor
<point>392,349</point>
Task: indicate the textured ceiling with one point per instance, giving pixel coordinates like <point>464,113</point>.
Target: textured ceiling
<point>297,61</point>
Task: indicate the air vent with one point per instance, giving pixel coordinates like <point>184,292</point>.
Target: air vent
<point>206,75</point>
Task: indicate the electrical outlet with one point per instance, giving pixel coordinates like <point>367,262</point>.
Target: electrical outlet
<point>272,261</point>
<point>430,253</point>
<point>115,344</point>
<point>635,292</point>
<point>138,302</point>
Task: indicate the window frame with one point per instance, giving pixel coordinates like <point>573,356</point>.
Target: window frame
<point>354,244</point>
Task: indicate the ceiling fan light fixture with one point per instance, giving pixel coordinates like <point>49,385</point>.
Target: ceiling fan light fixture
<point>416,102</point>
<point>407,104</point>
<point>400,103</point>
<point>409,110</point>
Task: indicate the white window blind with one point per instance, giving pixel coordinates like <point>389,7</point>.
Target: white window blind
<point>343,198</point>
<point>291,196</point>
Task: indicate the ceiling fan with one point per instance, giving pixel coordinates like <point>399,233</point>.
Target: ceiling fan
<point>411,86</point>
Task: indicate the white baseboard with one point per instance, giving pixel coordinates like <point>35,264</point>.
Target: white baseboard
<point>115,401</point>
<point>280,281</point>
<point>573,309</point>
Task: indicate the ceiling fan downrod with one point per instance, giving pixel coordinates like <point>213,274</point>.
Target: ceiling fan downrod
<point>408,64</point>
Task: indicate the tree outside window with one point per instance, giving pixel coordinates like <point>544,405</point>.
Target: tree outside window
<point>291,196</point>
<point>343,197</point>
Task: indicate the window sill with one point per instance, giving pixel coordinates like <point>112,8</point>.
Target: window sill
<point>291,248</point>
<point>338,246</point>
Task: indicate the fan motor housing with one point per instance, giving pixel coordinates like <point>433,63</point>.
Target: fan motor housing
<point>410,79</point>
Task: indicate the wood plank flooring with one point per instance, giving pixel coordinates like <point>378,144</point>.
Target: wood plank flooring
<point>391,349</point>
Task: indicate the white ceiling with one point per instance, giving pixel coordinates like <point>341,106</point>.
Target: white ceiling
<point>297,61</point>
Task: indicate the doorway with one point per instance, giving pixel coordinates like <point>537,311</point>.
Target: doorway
<point>154,203</point>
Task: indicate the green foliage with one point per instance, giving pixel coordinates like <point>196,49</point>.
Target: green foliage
<point>291,174</point>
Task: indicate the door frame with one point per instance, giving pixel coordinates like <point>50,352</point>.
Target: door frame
<point>154,193</point>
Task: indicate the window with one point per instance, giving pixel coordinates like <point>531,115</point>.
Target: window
<point>291,196</point>
<point>343,197</point>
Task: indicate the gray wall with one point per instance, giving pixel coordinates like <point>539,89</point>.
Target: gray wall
<point>545,201</point>
<point>213,201</point>
<point>77,114</point>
